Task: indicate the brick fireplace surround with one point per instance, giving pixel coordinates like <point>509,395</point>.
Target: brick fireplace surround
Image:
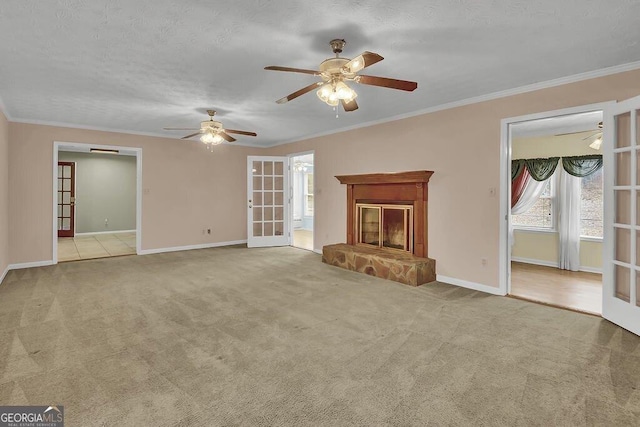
<point>407,188</point>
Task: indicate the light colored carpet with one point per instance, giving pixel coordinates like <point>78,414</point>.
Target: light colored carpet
<point>236,336</point>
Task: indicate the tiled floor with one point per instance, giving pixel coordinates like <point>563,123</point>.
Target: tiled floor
<point>96,246</point>
<point>303,239</point>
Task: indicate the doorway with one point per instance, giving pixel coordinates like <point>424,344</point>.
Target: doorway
<point>555,221</point>
<point>97,201</point>
<point>302,200</point>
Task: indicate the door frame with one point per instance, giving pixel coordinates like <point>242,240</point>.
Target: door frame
<point>302,153</point>
<point>84,148</point>
<point>504,255</point>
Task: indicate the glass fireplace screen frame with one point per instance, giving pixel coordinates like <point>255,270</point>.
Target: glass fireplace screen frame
<point>370,232</point>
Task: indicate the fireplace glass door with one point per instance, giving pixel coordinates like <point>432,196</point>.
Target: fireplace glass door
<point>385,226</point>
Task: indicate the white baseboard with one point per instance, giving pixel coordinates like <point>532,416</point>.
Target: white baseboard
<point>553,264</point>
<point>6,270</point>
<point>29,265</point>
<point>469,285</point>
<point>191,247</point>
<point>95,233</point>
<point>318,251</point>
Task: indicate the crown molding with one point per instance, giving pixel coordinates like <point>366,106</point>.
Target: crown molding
<point>482,98</point>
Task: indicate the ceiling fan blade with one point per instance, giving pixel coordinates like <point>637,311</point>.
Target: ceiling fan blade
<point>387,82</point>
<point>349,106</point>
<point>591,136</point>
<point>291,70</point>
<point>179,128</point>
<point>241,132</point>
<point>573,133</point>
<point>193,134</point>
<point>297,93</point>
<point>226,136</point>
<point>364,60</point>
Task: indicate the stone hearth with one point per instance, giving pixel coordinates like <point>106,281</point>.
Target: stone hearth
<point>393,265</point>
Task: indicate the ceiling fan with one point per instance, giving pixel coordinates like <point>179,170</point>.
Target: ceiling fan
<point>597,142</point>
<point>212,131</point>
<point>335,72</point>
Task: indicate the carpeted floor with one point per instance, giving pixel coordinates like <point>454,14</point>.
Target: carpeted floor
<point>233,336</point>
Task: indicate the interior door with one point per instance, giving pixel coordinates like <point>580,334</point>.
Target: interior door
<point>268,201</point>
<point>66,199</point>
<point>621,273</point>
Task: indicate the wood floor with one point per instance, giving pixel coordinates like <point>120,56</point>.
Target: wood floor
<point>96,246</point>
<point>570,289</point>
<point>303,239</point>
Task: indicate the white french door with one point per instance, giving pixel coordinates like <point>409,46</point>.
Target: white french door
<point>268,201</point>
<point>621,272</point>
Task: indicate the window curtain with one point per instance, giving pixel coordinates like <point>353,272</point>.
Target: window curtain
<point>569,195</point>
<point>541,169</point>
<point>582,166</point>
<point>518,184</point>
<point>530,195</point>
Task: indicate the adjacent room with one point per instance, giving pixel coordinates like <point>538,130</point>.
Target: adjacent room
<point>557,211</point>
<point>302,214</point>
<point>96,204</point>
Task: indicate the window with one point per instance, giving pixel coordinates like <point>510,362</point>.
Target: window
<point>591,206</point>
<point>308,194</point>
<point>539,216</point>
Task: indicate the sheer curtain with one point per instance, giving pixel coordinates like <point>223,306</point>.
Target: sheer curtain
<point>530,195</point>
<point>569,195</point>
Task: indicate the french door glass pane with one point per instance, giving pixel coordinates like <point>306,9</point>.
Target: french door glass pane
<point>257,213</point>
<point>257,229</point>
<point>623,207</point>
<point>268,199</point>
<point>66,223</point>
<point>66,198</point>
<point>66,210</point>
<point>268,183</point>
<point>622,282</point>
<point>268,213</point>
<point>268,168</point>
<point>623,245</point>
<point>278,183</point>
<point>257,183</point>
<point>257,168</point>
<point>257,198</point>
<point>279,168</point>
<point>268,228</point>
<point>66,185</point>
<point>623,127</point>
<point>66,172</point>
<point>623,168</point>
<point>278,213</point>
<point>278,198</point>
<point>278,228</point>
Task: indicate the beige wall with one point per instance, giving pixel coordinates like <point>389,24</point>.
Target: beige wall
<point>4,193</point>
<point>462,146</point>
<point>531,245</point>
<point>185,189</point>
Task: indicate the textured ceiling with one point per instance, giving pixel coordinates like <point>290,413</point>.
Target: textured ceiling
<point>137,66</point>
<point>555,125</point>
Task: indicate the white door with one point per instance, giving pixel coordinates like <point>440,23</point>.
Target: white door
<point>621,273</point>
<point>268,201</point>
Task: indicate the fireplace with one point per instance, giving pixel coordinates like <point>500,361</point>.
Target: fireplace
<point>387,227</point>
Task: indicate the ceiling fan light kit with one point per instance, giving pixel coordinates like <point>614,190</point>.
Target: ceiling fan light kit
<point>335,72</point>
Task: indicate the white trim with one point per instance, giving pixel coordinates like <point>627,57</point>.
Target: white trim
<point>553,264</point>
<point>591,239</point>
<point>469,285</point>
<point>504,264</point>
<point>136,151</point>
<point>29,265</point>
<point>4,274</point>
<point>191,247</point>
<point>482,98</point>
<point>105,232</point>
<point>291,230</point>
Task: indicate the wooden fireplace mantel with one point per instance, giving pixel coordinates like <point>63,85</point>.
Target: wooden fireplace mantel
<point>401,187</point>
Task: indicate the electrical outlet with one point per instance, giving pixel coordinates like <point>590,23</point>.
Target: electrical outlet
<point>208,231</point>
<point>483,261</point>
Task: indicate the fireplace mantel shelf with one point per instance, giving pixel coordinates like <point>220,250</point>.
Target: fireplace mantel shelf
<point>387,178</point>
